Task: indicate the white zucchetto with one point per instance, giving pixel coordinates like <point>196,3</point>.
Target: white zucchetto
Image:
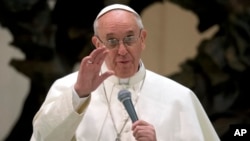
<point>115,6</point>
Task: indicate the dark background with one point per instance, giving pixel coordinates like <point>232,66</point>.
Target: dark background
<point>54,40</point>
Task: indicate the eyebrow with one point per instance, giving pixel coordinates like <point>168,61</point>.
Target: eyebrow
<point>128,32</point>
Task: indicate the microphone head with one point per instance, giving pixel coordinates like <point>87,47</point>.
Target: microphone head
<point>124,95</point>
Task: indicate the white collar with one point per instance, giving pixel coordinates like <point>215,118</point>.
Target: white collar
<point>136,78</point>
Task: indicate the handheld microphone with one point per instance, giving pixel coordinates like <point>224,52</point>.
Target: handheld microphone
<point>125,97</point>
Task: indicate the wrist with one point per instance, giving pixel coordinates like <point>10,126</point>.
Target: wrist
<point>79,93</point>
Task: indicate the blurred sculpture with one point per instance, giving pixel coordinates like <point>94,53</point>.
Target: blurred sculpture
<point>220,72</point>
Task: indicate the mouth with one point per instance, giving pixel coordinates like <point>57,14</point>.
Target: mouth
<point>123,62</point>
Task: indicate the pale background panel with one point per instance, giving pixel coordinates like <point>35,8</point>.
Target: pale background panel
<point>172,37</point>
<point>13,85</point>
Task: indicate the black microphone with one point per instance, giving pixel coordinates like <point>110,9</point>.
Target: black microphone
<point>125,97</point>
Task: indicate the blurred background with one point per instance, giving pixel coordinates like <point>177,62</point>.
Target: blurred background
<point>203,44</point>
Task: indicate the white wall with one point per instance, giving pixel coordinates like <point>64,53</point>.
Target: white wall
<point>172,38</point>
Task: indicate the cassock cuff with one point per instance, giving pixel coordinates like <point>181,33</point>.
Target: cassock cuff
<point>77,101</point>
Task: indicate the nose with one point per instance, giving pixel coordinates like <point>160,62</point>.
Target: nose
<point>122,49</point>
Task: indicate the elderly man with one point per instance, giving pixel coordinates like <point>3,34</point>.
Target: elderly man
<point>83,106</point>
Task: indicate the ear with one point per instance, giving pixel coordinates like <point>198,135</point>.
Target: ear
<point>95,41</point>
<point>143,38</point>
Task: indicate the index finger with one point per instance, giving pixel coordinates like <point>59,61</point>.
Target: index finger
<point>139,122</point>
<point>98,54</point>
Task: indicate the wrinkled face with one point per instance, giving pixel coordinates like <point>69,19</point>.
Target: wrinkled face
<point>119,32</point>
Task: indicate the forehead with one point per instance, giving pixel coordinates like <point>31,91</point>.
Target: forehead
<point>117,21</point>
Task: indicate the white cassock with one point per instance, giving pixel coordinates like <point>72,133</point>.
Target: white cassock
<point>173,110</point>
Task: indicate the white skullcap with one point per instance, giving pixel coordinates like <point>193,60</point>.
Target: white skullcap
<point>113,7</point>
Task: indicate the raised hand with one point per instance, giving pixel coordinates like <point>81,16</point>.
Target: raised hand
<point>89,77</point>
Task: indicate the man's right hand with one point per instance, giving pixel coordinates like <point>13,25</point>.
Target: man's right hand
<point>89,77</point>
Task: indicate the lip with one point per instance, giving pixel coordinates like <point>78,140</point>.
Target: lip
<point>123,61</point>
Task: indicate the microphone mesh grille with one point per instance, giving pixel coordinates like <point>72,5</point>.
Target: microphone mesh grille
<point>123,95</point>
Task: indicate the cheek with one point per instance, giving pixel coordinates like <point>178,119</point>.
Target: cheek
<point>109,60</point>
<point>137,54</point>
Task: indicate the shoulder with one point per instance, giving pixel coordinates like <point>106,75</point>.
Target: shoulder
<point>164,83</point>
<point>67,80</point>
<point>165,89</point>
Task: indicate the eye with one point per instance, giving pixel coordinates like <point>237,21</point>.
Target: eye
<point>129,40</point>
<point>112,42</point>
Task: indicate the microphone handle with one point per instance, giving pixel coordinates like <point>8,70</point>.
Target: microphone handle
<point>130,109</point>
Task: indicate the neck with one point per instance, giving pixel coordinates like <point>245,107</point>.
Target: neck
<point>130,81</point>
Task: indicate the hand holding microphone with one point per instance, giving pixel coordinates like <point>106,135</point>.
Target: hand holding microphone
<point>144,130</point>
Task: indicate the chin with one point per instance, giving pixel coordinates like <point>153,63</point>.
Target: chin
<point>124,74</point>
<point>125,71</point>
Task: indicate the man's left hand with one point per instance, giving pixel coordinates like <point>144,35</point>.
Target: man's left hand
<point>143,131</point>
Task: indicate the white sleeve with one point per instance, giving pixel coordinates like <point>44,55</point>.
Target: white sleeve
<point>76,100</point>
<point>57,118</point>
